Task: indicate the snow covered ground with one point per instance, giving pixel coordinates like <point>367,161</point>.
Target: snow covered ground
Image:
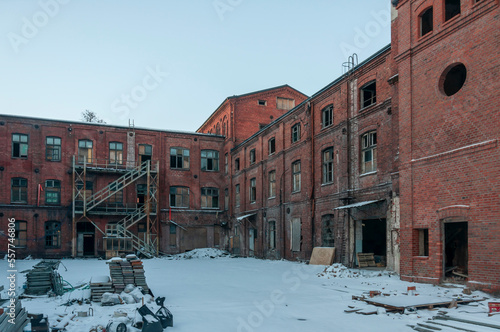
<point>245,294</point>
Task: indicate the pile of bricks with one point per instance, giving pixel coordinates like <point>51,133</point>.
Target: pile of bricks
<point>127,271</point>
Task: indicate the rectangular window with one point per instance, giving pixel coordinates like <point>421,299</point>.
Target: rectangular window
<point>296,176</point>
<point>423,242</point>
<point>53,192</point>
<point>52,234</point>
<point>369,152</point>
<point>296,132</point>
<point>179,158</point>
<point>327,116</point>
<point>116,153</point>
<point>272,234</point>
<point>145,152</point>
<point>296,234</point>
<point>19,146</point>
<point>271,145</point>
<point>179,197</point>
<point>328,165</point>
<point>117,198</point>
<point>226,163</point>
<point>426,22</point>
<point>53,148</point>
<point>237,164</point>
<point>237,195</point>
<point>209,198</point>
<point>253,190</point>
<point>21,234</point>
<point>226,199</point>
<point>252,156</point>
<point>452,9</point>
<point>262,102</point>
<point>272,184</point>
<point>209,160</point>
<point>81,191</point>
<point>368,94</point>
<point>19,190</point>
<point>85,151</point>
<point>285,103</point>
<point>173,235</point>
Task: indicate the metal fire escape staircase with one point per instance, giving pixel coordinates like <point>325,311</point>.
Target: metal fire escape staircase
<point>148,244</point>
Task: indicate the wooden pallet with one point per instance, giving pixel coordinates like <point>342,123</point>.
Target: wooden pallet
<point>365,259</point>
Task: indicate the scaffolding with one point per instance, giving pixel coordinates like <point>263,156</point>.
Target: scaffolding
<point>87,205</point>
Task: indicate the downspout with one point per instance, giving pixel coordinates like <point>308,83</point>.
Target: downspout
<point>264,169</point>
<point>282,188</point>
<point>313,169</point>
<point>348,131</point>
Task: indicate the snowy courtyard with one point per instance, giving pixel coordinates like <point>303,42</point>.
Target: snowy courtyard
<point>245,294</point>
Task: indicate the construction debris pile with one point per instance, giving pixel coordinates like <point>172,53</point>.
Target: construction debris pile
<point>14,317</point>
<point>127,271</point>
<point>44,278</point>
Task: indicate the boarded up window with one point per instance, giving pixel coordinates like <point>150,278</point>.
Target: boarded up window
<point>296,236</point>
<point>285,103</point>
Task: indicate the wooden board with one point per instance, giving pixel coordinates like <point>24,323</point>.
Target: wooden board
<point>402,302</point>
<point>322,256</point>
<point>365,259</point>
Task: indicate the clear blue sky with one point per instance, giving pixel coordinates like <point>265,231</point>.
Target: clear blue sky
<point>168,64</point>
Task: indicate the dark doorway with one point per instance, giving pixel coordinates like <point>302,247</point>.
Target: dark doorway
<point>456,254</point>
<point>374,239</point>
<point>141,194</point>
<point>85,239</point>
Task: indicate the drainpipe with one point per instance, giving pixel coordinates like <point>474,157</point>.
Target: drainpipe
<point>313,173</point>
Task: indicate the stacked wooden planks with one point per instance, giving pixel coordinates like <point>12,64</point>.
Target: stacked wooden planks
<point>99,286</point>
<point>43,277</point>
<point>21,319</point>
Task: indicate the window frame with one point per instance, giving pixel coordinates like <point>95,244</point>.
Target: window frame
<point>54,234</point>
<point>447,13</point>
<point>53,186</point>
<point>116,152</point>
<point>183,196</point>
<point>18,231</point>
<point>252,157</point>
<point>17,145</point>
<point>271,146</point>
<point>253,190</point>
<point>327,165</point>
<point>21,193</point>
<point>178,156</point>
<point>272,184</point>
<point>50,148</point>
<point>372,99</point>
<point>206,160</point>
<point>296,176</point>
<point>272,234</point>
<point>327,116</point>
<point>211,192</point>
<point>237,195</point>
<point>88,156</point>
<point>421,21</point>
<point>295,131</point>
<point>423,242</point>
<point>369,145</point>
<point>283,103</point>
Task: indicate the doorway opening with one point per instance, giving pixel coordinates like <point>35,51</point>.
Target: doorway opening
<point>85,239</point>
<point>374,239</point>
<point>456,255</point>
<point>141,194</point>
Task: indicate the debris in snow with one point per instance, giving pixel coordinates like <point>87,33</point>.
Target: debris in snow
<point>338,270</point>
<point>202,254</point>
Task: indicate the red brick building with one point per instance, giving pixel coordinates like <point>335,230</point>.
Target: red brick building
<point>398,157</point>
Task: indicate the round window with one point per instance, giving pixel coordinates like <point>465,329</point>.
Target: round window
<point>453,79</point>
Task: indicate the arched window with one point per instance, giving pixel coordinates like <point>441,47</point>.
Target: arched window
<point>426,24</point>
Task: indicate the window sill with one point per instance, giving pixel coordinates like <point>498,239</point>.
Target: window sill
<point>209,208</point>
<point>253,202</point>
<point>53,161</point>
<point>421,258</point>
<point>426,36</point>
<point>271,154</point>
<point>207,170</point>
<point>179,169</point>
<point>22,158</point>
<point>295,192</point>
<point>272,197</point>
<point>181,207</point>
<point>326,127</point>
<point>367,107</point>
<point>326,184</point>
<point>368,173</point>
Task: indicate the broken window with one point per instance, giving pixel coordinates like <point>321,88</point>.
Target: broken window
<point>19,190</point>
<point>423,242</point>
<point>252,156</point>
<point>369,152</point>
<point>21,234</point>
<point>454,79</point>
<point>145,152</point>
<point>271,145</point>
<point>285,103</point>
<point>296,178</point>
<point>368,94</point>
<point>296,132</point>
<point>237,195</point>
<point>116,198</point>
<point>85,151</point>
<point>226,199</point>
<point>53,148</point>
<point>237,164</point>
<point>253,190</point>
<point>19,146</point>
<point>295,234</point>
<point>53,192</point>
<point>209,198</point>
<point>272,184</point>
<point>327,231</point>
<point>81,191</point>
<point>116,153</point>
<point>179,158</point>
<point>226,158</point>
<point>173,235</point>
<point>452,9</point>
<point>328,165</point>
<point>52,234</point>
<point>327,116</point>
<point>179,197</point>
<point>209,160</point>
<point>426,24</point>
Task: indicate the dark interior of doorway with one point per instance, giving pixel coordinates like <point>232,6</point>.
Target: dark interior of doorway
<point>456,251</point>
<point>374,239</point>
<point>88,231</point>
